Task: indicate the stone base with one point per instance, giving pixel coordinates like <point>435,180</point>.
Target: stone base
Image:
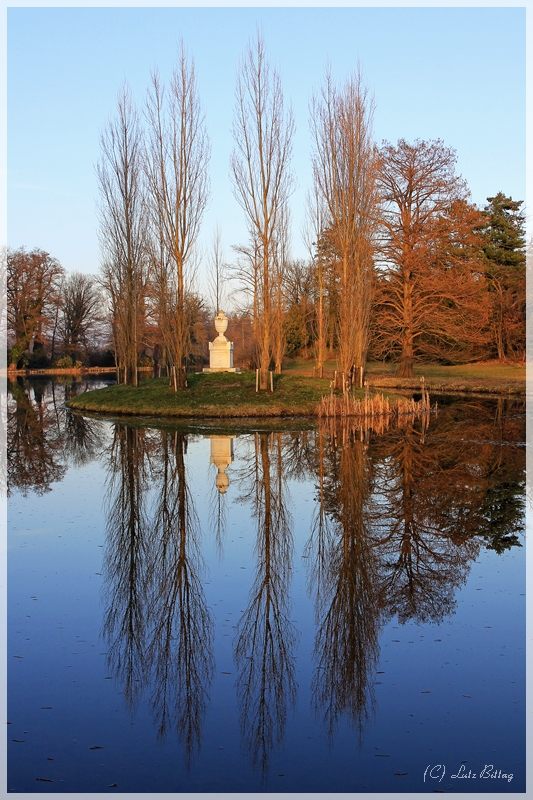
<point>221,369</point>
<point>221,355</point>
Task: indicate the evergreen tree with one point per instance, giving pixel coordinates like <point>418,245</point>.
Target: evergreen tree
<point>505,257</point>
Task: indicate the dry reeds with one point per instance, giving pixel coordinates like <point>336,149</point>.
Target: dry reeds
<point>373,407</point>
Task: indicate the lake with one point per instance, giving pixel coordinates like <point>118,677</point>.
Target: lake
<point>283,607</point>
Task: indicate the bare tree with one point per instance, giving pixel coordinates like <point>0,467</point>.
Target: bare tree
<point>123,230</point>
<point>281,260</point>
<point>81,313</point>
<point>217,272</point>
<point>176,171</point>
<point>345,165</point>
<point>262,180</point>
<point>312,235</point>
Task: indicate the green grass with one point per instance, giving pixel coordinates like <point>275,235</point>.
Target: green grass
<point>492,369</point>
<point>209,395</point>
<point>233,395</point>
<point>481,378</point>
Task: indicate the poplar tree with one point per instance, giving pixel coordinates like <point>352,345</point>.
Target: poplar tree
<point>262,180</point>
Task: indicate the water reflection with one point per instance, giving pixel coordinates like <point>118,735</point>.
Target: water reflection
<point>181,644</point>
<point>344,576</point>
<point>43,437</point>
<point>157,624</point>
<point>264,647</point>
<point>400,515</point>
<point>127,559</point>
<point>221,458</point>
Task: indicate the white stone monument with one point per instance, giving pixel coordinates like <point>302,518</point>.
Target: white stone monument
<point>221,350</point>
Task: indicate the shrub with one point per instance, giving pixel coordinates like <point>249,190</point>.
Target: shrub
<point>65,362</point>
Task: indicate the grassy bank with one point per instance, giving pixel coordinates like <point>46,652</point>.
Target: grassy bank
<point>483,378</point>
<point>209,395</point>
<point>233,395</point>
<point>489,378</point>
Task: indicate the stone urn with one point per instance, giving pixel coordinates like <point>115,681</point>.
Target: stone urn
<point>221,324</point>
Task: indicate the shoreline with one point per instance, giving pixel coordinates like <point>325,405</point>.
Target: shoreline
<point>66,371</point>
<point>224,396</point>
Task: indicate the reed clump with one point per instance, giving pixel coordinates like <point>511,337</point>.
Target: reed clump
<point>377,406</point>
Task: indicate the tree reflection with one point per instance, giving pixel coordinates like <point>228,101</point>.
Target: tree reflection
<point>126,560</point>
<point>344,576</point>
<point>158,626</point>
<point>85,438</point>
<point>34,440</point>
<point>266,638</point>
<point>181,626</point>
<point>424,555</point>
<point>442,493</point>
<point>401,515</point>
<point>43,435</point>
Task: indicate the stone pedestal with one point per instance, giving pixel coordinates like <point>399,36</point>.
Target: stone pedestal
<point>221,350</point>
<point>220,355</point>
<point>221,457</point>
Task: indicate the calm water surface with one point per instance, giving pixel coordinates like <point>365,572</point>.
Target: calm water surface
<point>301,610</point>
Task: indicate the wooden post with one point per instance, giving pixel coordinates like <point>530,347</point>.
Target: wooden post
<point>361,377</point>
<point>257,380</point>
<point>271,381</point>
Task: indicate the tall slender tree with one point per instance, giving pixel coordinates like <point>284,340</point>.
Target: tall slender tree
<point>262,179</point>
<point>345,169</point>
<point>176,171</point>
<point>217,272</point>
<point>123,230</point>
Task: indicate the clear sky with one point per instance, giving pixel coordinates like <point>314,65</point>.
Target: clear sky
<point>457,74</point>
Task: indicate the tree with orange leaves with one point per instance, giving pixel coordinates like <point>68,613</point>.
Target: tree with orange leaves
<point>430,299</point>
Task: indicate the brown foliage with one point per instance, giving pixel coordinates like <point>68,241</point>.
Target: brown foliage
<point>33,286</point>
<point>430,293</point>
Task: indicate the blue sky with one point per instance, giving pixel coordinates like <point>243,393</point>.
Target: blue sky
<point>457,74</point>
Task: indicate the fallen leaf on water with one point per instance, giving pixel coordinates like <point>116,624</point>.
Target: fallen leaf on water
<point>427,692</point>
<point>18,740</point>
<point>96,747</point>
<point>48,780</point>
<point>400,773</point>
<point>467,695</point>
<point>383,755</point>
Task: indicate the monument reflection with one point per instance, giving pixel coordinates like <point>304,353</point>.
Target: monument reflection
<point>221,457</point>
<point>400,514</point>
